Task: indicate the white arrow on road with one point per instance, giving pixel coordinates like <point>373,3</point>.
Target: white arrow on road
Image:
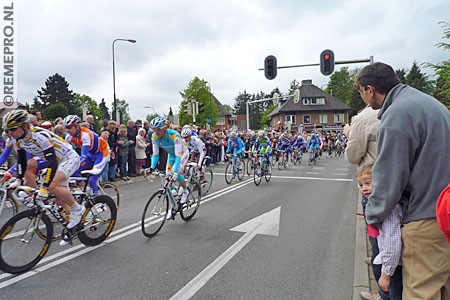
<point>268,224</point>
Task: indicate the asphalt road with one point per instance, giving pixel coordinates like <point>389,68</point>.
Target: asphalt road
<point>302,245</point>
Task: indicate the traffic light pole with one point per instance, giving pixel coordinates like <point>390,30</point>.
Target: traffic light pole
<point>343,62</point>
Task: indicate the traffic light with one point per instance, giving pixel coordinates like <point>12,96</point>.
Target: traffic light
<point>327,62</point>
<point>270,67</point>
<point>200,107</point>
<point>188,109</point>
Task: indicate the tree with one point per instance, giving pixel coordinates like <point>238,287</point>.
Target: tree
<point>265,119</point>
<point>56,90</point>
<point>401,74</point>
<point>104,109</point>
<point>198,91</point>
<point>419,80</point>
<point>356,102</point>
<point>91,106</point>
<point>228,108</point>
<point>341,85</point>
<point>123,109</point>
<point>442,70</point>
<point>240,103</point>
<point>54,111</point>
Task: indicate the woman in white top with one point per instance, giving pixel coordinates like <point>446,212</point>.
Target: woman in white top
<point>140,151</point>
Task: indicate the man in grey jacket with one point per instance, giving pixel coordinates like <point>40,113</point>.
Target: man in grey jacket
<point>412,164</point>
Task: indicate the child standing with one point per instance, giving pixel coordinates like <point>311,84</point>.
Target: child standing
<point>389,241</point>
<point>124,148</point>
<point>105,135</point>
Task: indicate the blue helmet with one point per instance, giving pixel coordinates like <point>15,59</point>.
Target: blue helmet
<point>158,122</point>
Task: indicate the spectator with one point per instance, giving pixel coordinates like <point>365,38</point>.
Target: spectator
<point>60,130</point>
<point>131,136</point>
<point>113,155</point>
<point>141,145</point>
<point>105,135</point>
<point>412,163</point>
<point>90,121</point>
<point>124,149</point>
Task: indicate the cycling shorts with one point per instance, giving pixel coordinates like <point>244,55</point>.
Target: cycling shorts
<point>69,164</point>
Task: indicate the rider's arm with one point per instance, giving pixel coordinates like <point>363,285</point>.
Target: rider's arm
<point>52,165</point>
<point>7,151</point>
<point>155,155</point>
<point>22,163</point>
<point>178,153</point>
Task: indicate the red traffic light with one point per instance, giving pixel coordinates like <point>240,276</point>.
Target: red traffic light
<point>270,61</point>
<point>327,56</point>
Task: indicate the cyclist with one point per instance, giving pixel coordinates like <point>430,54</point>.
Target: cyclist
<point>262,145</point>
<point>235,146</point>
<point>62,161</point>
<point>94,150</point>
<point>177,155</point>
<point>197,149</point>
<point>299,144</point>
<point>313,144</point>
<point>284,144</point>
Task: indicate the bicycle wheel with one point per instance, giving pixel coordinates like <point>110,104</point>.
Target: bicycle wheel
<point>257,174</point>
<point>249,166</point>
<point>57,228</point>
<point>229,172</point>
<point>241,170</point>
<point>267,171</point>
<point>154,215</point>
<point>280,163</point>
<point>190,207</point>
<point>273,159</point>
<point>310,159</point>
<point>98,220</point>
<point>20,248</point>
<point>9,209</point>
<point>111,190</point>
<point>206,185</point>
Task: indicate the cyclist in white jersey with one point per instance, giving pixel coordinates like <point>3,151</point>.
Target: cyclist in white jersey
<point>62,160</point>
<point>196,146</point>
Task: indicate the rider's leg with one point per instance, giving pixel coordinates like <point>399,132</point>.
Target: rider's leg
<point>30,173</point>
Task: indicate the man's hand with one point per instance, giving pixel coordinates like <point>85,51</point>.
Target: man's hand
<point>6,177</point>
<point>174,176</point>
<point>384,282</point>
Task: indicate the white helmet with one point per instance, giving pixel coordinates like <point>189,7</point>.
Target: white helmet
<point>261,133</point>
<point>186,132</point>
<point>70,119</point>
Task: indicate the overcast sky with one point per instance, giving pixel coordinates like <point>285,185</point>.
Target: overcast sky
<point>223,42</point>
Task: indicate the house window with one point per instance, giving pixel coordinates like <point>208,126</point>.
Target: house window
<point>323,119</point>
<point>306,101</point>
<point>306,119</point>
<point>291,119</point>
<point>338,118</point>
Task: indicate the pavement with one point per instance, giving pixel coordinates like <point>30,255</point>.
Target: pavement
<point>363,279</point>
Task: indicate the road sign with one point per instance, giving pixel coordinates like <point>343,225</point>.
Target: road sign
<point>209,121</point>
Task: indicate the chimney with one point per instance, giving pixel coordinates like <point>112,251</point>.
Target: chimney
<point>307,81</point>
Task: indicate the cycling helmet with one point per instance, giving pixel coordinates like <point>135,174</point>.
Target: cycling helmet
<point>15,119</point>
<point>71,119</point>
<point>252,133</point>
<point>158,122</point>
<point>187,126</point>
<point>186,132</point>
<point>47,125</point>
<point>281,135</point>
<point>261,133</point>
<point>233,134</point>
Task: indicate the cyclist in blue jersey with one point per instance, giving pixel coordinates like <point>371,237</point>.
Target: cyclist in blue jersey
<point>177,154</point>
<point>299,144</point>
<point>284,144</point>
<point>313,143</point>
<point>235,146</point>
<point>262,145</point>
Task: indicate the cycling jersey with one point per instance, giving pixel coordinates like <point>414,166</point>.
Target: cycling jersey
<point>284,144</point>
<point>37,140</point>
<point>299,142</point>
<point>237,145</point>
<point>94,154</point>
<point>263,145</point>
<point>50,147</point>
<point>175,147</point>
<point>197,146</point>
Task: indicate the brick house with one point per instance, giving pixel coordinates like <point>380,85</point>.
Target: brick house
<point>315,109</point>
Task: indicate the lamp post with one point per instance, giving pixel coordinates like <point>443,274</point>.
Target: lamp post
<point>210,104</point>
<point>151,108</point>
<point>114,76</point>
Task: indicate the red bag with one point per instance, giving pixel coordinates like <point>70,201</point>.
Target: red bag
<point>443,212</point>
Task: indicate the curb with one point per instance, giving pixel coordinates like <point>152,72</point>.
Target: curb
<point>361,272</point>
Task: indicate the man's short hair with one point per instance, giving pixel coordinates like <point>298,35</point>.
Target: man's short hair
<point>379,75</point>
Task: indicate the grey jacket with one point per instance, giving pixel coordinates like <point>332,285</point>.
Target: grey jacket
<point>413,155</point>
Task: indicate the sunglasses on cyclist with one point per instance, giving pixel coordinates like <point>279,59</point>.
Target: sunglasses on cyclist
<point>10,130</point>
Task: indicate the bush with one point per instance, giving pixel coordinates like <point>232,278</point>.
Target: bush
<point>54,111</point>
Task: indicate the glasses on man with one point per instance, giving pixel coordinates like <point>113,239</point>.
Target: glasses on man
<point>68,127</point>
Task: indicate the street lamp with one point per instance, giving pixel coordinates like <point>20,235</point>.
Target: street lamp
<point>114,76</point>
<point>210,105</point>
<point>154,112</point>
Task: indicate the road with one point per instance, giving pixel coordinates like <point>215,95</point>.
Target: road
<point>291,238</point>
